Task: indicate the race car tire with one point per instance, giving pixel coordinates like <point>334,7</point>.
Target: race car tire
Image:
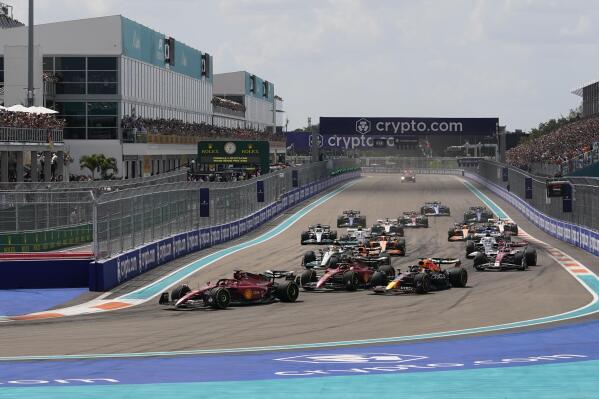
<point>287,291</point>
<point>425,223</point>
<point>361,222</point>
<point>470,247</point>
<point>309,256</point>
<point>388,270</point>
<point>340,221</point>
<point>422,283</point>
<point>350,280</point>
<point>530,254</point>
<point>179,292</point>
<point>470,237</point>
<point>218,298</point>
<point>385,258</point>
<point>458,277</point>
<point>423,210</point>
<point>518,257</point>
<point>305,236</point>
<point>333,235</point>
<point>333,261</point>
<point>379,279</point>
<point>401,244</point>
<point>308,276</point>
<point>479,259</point>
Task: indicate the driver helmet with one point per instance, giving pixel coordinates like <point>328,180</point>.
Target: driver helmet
<point>488,234</point>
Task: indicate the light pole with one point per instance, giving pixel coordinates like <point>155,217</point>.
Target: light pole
<point>30,57</point>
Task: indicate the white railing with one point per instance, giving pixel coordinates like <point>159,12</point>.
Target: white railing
<point>24,135</point>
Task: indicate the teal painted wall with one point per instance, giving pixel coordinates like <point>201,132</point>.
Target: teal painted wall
<point>259,93</point>
<point>147,45</point>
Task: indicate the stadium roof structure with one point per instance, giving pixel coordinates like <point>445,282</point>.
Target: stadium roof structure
<point>578,90</point>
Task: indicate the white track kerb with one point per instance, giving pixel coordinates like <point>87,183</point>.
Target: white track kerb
<point>583,275</point>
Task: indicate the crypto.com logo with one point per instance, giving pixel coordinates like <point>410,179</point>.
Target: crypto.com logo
<point>363,126</point>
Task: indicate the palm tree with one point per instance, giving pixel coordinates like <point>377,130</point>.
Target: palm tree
<point>91,162</point>
<point>107,164</point>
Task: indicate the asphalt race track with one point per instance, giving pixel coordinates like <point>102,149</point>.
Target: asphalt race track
<point>491,298</point>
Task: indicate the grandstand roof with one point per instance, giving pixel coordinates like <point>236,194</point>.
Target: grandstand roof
<point>7,22</point>
<point>578,91</point>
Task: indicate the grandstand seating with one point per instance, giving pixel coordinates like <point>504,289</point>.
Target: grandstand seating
<point>561,145</point>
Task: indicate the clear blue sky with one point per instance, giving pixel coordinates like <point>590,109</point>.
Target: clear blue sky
<point>515,59</point>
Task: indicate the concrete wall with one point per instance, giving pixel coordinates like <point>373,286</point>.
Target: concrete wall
<point>229,83</point>
<point>15,75</point>
<point>92,36</point>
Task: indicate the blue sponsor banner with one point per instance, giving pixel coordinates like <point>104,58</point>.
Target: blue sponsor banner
<point>180,246</point>
<point>235,229</point>
<point>567,198</point>
<point>193,240</point>
<point>504,174</point>
<point>215,235</point>
<point>205,238</point>
<point>204,202</point>
<point>260,191</point>
<point>165,251</point>
<point>408,126</point>
<point>225,232</point>
<point>528,187</point>
<point>294,178</point>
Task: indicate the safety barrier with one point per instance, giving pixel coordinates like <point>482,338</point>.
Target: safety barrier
<point>425,171</point>
<point>582,237</point>
<point>45,270</point>
<point>108,273</point>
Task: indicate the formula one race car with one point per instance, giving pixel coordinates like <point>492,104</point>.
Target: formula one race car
<point>506,226</point>
<point>319,234</point>
<point>391,244</point>
<point>351,218</point>
<point>349,276</point>
<point>435,209</point>
<point>387,226</point>
<point>408,176</point>
<point>355,237</point>
<point>427,275</point>
<point>243,288</point>
<point>413,219</point>
<point>459,232</point>
<point>506,256</point>
<point>477,214</point>
<point>324,258</point>
<point>371,254</point>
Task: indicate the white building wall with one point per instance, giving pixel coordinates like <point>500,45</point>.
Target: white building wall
<point>15,76</point>
<point>161,93</point>
<point>259,113</point>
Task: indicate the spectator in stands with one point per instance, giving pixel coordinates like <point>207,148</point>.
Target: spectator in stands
<point>558,146</point>
<point>30,120</point>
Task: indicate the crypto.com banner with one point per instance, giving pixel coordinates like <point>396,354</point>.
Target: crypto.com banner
<point>341,126</point>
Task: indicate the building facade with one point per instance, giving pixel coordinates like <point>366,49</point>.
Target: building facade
<point>98,72</point>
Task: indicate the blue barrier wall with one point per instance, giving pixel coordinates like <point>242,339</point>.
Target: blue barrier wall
<point>582,237</point>
<point>49,273</point>
<point>108,273</point>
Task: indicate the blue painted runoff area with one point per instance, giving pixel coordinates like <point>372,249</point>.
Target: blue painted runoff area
<point>550,363</point>
<point>23,301</point>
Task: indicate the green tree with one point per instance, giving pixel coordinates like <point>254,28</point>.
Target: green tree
<point>108,165</point>
<point>91,162</point>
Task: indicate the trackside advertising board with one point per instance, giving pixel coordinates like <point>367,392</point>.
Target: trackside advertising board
<point>239,153</point>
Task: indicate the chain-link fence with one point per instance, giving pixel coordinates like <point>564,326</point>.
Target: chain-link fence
<point>129,218</point>
<point>585,195</point>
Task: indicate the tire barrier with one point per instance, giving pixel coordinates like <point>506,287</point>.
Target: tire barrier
<point>108,273</point>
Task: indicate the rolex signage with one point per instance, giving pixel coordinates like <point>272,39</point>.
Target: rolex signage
<point>237,153</point>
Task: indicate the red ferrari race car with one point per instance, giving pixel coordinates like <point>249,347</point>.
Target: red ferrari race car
<point>348,275</point>
<point>427,275</point>
<point>243,288</point>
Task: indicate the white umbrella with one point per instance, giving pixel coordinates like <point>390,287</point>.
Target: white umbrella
<point>18,108</point>
<point>42,110</point>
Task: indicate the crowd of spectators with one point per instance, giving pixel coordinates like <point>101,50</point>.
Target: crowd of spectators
<point>30,120</point>
<point>224,103</point>
<point>560,145</point>
<point>204,130</point>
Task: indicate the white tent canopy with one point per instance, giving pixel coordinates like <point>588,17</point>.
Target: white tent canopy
<point>31,110</point>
